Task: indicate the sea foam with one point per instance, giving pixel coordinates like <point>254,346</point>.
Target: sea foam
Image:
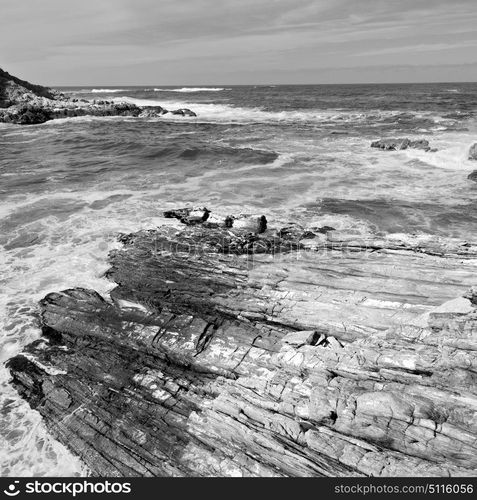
<point>107,91</point>
<point>193,89</point>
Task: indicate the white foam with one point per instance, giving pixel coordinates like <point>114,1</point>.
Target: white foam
<point>226,113</point>
<point>193,89</point>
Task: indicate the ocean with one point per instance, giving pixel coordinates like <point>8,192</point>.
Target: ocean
<point>293,153</point>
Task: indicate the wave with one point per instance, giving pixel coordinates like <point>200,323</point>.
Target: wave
<point>193,89</point>
<point>106,91</point>
<point>227,113</point>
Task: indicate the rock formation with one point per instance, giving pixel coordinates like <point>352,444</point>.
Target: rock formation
<point>26,104</point>
<point>16,91</point>
<point>232,348</point>
<point>473,152</point>
<point>397,144</point>
<point>473,176</point>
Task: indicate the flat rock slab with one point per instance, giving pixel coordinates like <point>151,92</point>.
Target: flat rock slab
<point>245,351</point>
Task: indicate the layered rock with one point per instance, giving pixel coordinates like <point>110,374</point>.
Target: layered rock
<point>473,152</point>
<point>237,349</point>
<point>403,143</point>
<point>26,104</point>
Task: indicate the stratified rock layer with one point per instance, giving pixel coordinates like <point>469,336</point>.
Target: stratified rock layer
<point>235,350</point>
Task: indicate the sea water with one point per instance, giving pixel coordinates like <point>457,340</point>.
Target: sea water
<point>293,153</point>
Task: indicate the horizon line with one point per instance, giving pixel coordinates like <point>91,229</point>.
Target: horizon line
<point>105,85</point>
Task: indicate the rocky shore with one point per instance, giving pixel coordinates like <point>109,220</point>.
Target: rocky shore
<point>230,347</point>
<point>23,103</point>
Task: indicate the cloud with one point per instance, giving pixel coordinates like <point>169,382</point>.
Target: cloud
<point>155,41</point>
<point>429,47</point>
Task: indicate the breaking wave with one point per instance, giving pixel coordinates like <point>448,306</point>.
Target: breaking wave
<point>106,91</point>
<point>192,89</point>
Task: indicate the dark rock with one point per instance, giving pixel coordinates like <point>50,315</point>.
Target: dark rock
<point>189,216</point>
<point>420,144</point>
<point>391,144</point>
<point>183,112</point>
<point>403,143</point>
<point>152,111</point>
<point>473,176</point>
<point>25,104</point>
<point>214,358</point>
<point>473,152</point>
<point>16,91</point>
<point>26,115</point>
<point>325,229</point>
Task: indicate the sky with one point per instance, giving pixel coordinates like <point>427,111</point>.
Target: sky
<point>211,42</point>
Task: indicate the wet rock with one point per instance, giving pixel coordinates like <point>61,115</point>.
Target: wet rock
<point>25,104</point>
<point>217,355</point>
<point>183,112</point>
<point>473,152</point>
<point>403,143</point>
<point>189,216</point>
<point>473,176</point>
<point>26,114</point>
<point>16,91</point>
<point>391,144</point>
<point>152,111</point>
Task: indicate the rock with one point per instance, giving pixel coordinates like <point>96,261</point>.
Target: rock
<point>391,144</point>
<point>241,223</point>
<point>152,111</point>
<point>403,143</point>
<point>189,216</point>
<point>214,356</point>
<point>420,144</point>
<point>183,112</point>
<point>25,104</point>
<point>473,152</point>
<point>247,223</point>
<point>26,114</point>
<point>473,176</point>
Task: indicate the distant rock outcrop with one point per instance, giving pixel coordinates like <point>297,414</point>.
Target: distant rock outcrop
<point>23,103</point>
<point>402,143</point>
<point>16,91</point>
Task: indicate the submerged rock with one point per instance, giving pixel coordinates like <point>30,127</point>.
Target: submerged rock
<point>225,352</point>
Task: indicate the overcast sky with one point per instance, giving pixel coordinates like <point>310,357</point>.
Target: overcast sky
<point>175,42</point>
